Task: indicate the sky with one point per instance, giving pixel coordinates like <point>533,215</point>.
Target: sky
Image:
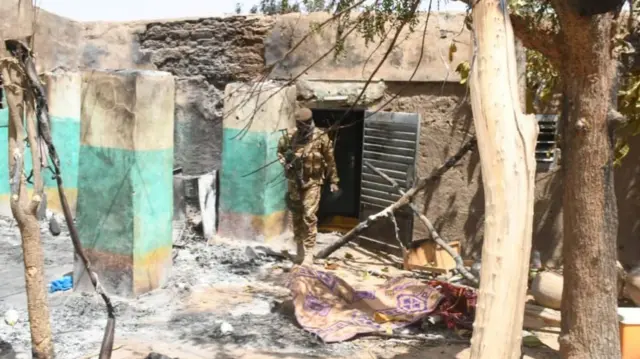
<point>127,10</point>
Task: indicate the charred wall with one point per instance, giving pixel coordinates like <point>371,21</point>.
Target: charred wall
<point>204,55</point>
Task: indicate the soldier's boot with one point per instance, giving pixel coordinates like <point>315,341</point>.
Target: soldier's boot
<point>308,257</point>
<point>300,253</point>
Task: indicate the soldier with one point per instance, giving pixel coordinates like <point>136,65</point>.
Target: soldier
<point>307,155</point>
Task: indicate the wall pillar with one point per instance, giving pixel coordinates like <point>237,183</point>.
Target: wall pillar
<point>63,94</point>
<point>252,184</point>
<point>125,186</point>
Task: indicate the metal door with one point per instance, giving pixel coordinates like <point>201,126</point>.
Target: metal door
<point>390,143</point>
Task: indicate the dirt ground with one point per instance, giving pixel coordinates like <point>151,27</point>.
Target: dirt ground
<point>212,286</point>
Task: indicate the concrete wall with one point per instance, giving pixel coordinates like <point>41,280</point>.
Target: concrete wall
<point>125,197</point>
<point>359,60</point>
<point>63,91</point>
<point>252,200</point>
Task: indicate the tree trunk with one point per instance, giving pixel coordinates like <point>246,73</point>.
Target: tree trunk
<point>589,319</point>
<point>25,210</point>
<point>506,141</point>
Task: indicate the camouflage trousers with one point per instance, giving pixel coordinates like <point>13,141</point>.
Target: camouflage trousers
<point>304,206</point>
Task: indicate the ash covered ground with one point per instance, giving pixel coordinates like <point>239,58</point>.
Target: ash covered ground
<point>190,308</point>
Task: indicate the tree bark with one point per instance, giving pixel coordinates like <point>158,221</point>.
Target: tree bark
<point>589,300</point>
<point>25,210</point>
<point>506,141</point>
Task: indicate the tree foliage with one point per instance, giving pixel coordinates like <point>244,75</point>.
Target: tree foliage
<point>544,81</point>
<point>280,7</point>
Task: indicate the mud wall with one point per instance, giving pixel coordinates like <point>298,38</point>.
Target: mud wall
<point>15,19</point>
<point>455,204</point>
<point>63,91</point>
<point>204,55</point>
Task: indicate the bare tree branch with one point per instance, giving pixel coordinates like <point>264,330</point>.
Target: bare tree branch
<point>432,230</point>
<point>404,200</point>
<point>32,138</point>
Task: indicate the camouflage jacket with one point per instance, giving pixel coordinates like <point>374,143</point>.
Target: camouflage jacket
<point>318,161</point>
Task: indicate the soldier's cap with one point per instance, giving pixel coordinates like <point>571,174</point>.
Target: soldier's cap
<point>303,114</point>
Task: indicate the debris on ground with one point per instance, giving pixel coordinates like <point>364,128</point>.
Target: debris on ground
<point>60,285</point>
<point>11,317</point>
<point>158,356</point>
<point>54,227</point>
<point>222,299</point>
<point>6,350</point>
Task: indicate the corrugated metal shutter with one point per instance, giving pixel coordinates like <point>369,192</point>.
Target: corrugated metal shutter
<point>390,144</point>
<point>546,143</point>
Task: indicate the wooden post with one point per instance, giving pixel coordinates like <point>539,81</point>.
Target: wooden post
<point>506,142</point>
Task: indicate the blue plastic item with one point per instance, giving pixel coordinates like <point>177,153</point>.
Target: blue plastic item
<point>60,285</point>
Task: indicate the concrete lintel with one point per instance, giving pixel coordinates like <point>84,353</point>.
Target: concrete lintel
<point>339,93</point>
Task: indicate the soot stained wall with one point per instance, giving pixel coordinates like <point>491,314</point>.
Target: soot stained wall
<point>204,55</point>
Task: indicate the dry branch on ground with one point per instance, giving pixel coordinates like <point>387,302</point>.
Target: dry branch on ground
<point>420,185</point>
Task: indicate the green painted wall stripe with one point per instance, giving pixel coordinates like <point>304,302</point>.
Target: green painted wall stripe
<point>4,146</point>
<point>261,193</point>
<point>152,181</point>
<point>66,137</point>
<point>125,199</point>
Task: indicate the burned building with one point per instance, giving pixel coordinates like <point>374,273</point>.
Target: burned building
<point>238,78</point>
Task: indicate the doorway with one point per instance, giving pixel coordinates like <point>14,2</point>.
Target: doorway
<point>342,209</point>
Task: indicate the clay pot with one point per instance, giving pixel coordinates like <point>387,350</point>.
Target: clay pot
<point>546,289</point>
<point>632,286</point>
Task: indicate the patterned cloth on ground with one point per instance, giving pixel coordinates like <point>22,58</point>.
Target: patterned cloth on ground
<point>458,308</point>
<point>329,307</point>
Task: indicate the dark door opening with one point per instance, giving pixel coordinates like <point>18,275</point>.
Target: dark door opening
<point>348,154</point>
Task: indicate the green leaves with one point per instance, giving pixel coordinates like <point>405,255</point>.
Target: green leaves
<point>463,69</point>
<point>629,106</point>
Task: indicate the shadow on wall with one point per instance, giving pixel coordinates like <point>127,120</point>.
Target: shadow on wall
<point>198,126</point>
<point>627,184</point>
<point>474,225</point>
<point>547,218</point>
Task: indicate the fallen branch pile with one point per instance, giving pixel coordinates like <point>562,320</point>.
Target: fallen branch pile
<point>432,230</point>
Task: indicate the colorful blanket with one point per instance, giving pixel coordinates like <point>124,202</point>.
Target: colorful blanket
<point>329,307</point>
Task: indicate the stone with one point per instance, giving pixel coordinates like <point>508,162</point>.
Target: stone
<point>54,227</point>
<point>226,328</point>
<point>125,186</point>
<point>208,203</point>
<point>154,355</point>
<point>546,289</point>
<point>11,317</point>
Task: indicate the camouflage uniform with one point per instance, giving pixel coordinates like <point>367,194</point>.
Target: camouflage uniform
<point>318,164</point>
